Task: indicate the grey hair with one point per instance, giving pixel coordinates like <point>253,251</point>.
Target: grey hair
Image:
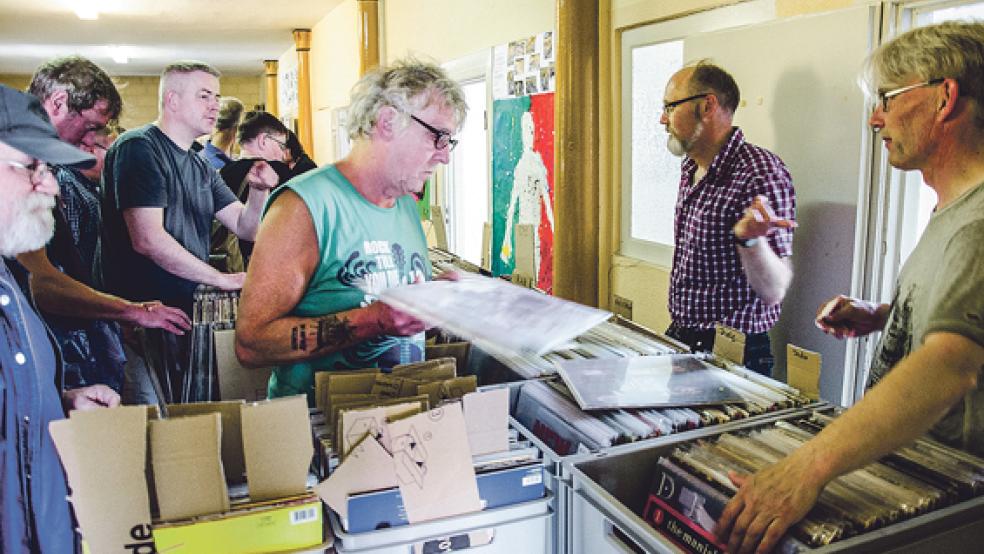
<point>407,85</point>
<point>953,49</point>
<point>182,67</point>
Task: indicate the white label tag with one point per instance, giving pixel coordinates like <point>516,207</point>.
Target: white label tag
<point>303,515</point>
<point>534,479</point>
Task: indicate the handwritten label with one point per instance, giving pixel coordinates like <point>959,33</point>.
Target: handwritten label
<point>803,370</point>
<point>729,344</point>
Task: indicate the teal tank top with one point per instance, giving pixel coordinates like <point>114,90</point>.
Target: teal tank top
<point>363,249</point>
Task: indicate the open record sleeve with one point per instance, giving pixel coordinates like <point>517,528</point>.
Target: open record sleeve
<point>495,313</point>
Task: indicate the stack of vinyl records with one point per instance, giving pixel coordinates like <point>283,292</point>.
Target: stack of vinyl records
<point>213,310</point>
<point>442,261</point>
<point>549,410</point>
<point>914,480</point>
<point>606,340</point>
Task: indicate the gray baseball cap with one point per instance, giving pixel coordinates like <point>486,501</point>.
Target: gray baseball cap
<point>24,125</point>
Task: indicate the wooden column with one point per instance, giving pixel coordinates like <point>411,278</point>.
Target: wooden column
<point>302,43</point>
<point>368,35</point>
<point>271,86</point>
<point>576,156</point>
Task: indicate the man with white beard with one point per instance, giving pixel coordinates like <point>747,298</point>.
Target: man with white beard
<point>33,495</point>
<point>735,213</point>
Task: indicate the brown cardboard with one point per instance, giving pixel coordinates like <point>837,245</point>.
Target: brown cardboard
<point>729,344</point>
<point>803,370</point>
<point>355,425</point>
<point>277,447</point>
<point>104,455</point>
<point>359,381</point>
<point>434,465</point>
<point>232,436</point>
<point>392,386</point>
<point>235,381</point>
<point>367,467</point>
<point>487,420</point>
<point>416,369</point>
<point>457,350</point>
<point>448,389</point>
<point>339,408</point>
<point>186,457</point>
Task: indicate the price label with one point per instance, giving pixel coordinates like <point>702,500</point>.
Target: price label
<point>729,344</point>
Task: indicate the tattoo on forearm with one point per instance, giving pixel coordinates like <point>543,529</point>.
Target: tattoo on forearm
<point>330,330</point>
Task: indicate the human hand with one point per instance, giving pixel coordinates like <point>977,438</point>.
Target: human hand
<point>231,281</point>
<point>394,322</point>
<point>759,220</point>
<point>262,176</point>
<point>155,315</point>
<point>90,398</point>
<point>843,316</point>
<point>767,504</point>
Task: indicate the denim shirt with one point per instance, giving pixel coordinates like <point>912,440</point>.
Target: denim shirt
<point>33,495</point>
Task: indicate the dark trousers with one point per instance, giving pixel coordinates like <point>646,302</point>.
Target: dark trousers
<point>758,349</point>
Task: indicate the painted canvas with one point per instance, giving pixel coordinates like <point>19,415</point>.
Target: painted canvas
<point>523,181</point>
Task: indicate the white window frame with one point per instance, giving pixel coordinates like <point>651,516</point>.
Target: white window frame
<point>745,13</point>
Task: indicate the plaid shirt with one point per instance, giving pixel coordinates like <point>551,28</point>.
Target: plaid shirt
<point>707,283</point>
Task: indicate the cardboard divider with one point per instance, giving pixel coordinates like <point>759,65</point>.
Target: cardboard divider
<point>188,476</point>
<point>232,436</point>
<point>276,461</point>
<point>104,455</point>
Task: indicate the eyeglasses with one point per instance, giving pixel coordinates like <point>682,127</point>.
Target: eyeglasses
<point>442,139</point>
<point>884,97</point>
<point>38,170</point>
<point>281,143</point>
<point>668,107</point>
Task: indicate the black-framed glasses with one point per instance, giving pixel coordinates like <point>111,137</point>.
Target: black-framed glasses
<point>37,170</point>
<point>281,143</point>
<point>884,97</point>
<point>668,107</point>
<point>442,139</point>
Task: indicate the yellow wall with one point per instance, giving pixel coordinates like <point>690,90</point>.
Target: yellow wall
<point>140,94</point>
<point>334,69</point>
<point>449,29</point>
<point>441,30</point>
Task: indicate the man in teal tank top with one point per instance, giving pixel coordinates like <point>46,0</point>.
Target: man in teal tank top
<point>333,238</point>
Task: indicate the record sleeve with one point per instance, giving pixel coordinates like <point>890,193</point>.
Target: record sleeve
<point>647,382</point>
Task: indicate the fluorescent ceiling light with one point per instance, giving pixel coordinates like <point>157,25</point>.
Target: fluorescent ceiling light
<point>86,9</point>
<point>120,54</point>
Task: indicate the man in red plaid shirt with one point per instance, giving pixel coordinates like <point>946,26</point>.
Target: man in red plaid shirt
<point>734,218</point>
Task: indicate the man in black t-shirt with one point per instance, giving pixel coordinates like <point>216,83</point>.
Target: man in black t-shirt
<point>161,197</point>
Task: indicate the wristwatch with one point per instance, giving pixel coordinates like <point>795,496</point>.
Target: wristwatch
<point>744,243</point>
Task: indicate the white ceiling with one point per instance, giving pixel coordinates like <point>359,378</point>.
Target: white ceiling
<point>233,35</point>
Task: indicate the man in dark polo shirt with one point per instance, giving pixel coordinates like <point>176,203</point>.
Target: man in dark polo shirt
<point>734,218</point>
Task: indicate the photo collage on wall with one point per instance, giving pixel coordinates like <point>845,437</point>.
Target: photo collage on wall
<point>524,67</point>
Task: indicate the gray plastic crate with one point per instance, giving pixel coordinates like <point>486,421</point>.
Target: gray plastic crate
<point>609,490</point>
<point>513,529</point>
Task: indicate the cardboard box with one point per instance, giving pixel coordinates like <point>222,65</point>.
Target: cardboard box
<point>235,381</point>
<point>105,454</point>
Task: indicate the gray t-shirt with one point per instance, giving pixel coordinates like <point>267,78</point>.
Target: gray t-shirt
<point>941,289</point>
<point>146,169</point>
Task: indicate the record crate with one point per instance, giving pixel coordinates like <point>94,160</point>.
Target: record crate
<point>611,490</point>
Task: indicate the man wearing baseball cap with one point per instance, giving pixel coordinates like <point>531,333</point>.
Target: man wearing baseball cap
<point>33,495</point>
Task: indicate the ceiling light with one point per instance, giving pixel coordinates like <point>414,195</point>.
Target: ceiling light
<point>119,54</point>
<point>86,10</point>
